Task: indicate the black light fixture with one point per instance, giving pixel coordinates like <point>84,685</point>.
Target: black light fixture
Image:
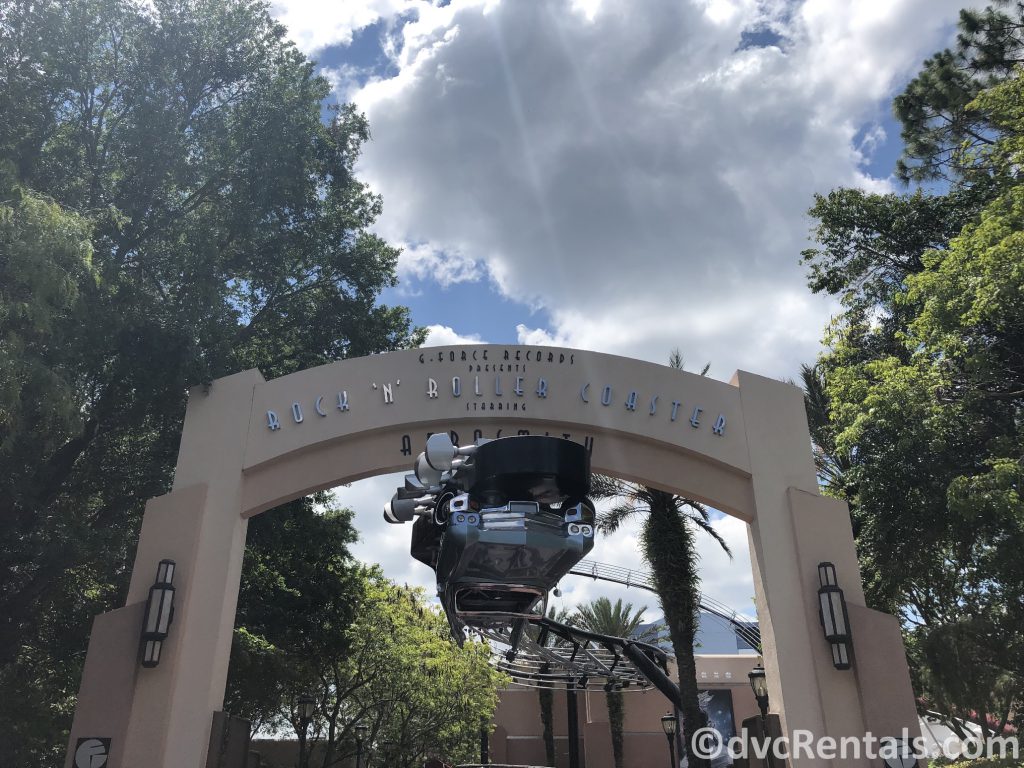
<point>159,614</point>
<point>669,725</point>
<point>361,731</point>
<point>759,685</point>
<point>306,706</point>
<point>832,613</point>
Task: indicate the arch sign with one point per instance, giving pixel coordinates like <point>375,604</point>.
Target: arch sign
<point>249,445</point>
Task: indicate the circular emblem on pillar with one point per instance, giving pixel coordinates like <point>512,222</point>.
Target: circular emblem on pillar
<point>897,753</point>
<point>92,753</point>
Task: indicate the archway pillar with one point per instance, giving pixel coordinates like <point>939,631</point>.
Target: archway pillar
<point>794,529</point>
<point>166,712</point>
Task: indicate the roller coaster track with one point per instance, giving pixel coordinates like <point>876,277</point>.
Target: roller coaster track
<point>744,626</point>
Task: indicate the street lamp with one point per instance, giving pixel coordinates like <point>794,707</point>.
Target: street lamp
<point>759,685</point>
<point>669,725</point>
<point>832,613</point>
<point>159,614</point>
<point>361,730</point>
<point>306,707</point>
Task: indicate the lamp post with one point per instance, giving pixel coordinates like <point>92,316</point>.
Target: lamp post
<point>670,725</point>
<point>361,730</point>
<point>759,685</point>
<point>306,707</point>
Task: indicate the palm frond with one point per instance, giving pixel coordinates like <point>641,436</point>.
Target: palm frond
<point>600,615</point>
<point>611,520</point>
<point>604,487</point>
<point>699,510</point>
<point>706,526</point>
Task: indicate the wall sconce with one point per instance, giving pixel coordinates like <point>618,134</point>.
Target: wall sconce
<point>834,619</point>
<point>159,614</point>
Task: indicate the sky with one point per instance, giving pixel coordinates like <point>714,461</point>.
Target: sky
<point>624,176</point>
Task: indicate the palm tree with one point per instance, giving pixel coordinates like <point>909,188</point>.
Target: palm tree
<point>618,621</point>
<point>668,544</point>
<point>834,466</point>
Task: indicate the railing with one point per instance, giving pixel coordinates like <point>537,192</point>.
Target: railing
<point>744,626</point>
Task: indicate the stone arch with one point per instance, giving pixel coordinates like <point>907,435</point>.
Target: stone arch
<point>249,445</point>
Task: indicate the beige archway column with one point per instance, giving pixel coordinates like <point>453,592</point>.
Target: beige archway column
<point>794,529</point>
<point>161,717</point>
<point>174,703</point>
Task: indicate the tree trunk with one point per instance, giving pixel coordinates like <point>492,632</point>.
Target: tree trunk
<point>668,544</point>
<point>615,718</point>
<point>547,719</point>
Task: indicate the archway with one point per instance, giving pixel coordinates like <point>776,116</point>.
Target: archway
<point>249,445</point>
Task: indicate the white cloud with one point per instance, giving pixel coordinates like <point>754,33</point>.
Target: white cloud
<point>316,25</point>
<point>425,261</point>
<point>345,80</point>
<point>627,168</point>
<point>442,335</point>
<point>874,138</point>
<point>380,542</point>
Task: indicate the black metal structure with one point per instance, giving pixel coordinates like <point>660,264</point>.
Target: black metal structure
<point>548,653</point>
<point>573,717</point>
<point>746,628</point>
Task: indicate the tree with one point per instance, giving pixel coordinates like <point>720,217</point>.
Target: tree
<point>935,447</point>
<point>916,405</point>
<point>45,256</point>
<point>227,231</point>
<point>667,542</point>
<point>618,621</point>
<point>397,671</point>
<point>301,590</point>
<point>946,131</point>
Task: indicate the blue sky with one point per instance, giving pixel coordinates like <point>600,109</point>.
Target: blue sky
<point>615,175</point>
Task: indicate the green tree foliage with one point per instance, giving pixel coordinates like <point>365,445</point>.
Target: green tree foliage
<point>301,590</point>
<point>947,132</point>
<point>45,258</point>
<point>189,214</point>
<point>395,670</point>
<point>934,436</point>
<point>916,406</point>
<point>617,620</point>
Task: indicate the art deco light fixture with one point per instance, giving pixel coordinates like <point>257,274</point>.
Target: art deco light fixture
<point>834,619</point>
<point>159,614</point>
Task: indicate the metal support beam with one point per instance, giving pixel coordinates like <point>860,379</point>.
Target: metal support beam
<point>574,724</point>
